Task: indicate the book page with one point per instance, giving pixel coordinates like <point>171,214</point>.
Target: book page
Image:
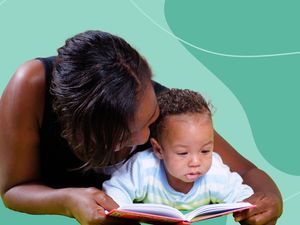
<point>216,208</point>
<point>155,209</point>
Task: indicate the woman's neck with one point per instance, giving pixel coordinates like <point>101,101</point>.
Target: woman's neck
<point>121,155</point>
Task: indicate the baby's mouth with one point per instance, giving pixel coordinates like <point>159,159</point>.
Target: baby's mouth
<point>193,176</point>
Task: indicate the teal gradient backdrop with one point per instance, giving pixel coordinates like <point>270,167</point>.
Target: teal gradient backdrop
<point>266,87</point>
<point>255,98</point>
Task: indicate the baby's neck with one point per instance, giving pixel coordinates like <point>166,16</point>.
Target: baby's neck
<point>181,186</point>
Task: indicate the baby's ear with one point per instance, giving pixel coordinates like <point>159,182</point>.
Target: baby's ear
<point>156,148</point>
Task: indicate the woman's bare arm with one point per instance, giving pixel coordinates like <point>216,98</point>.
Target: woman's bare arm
<point>21,109</point>
<point>21,113</point>
<point>267,196</point>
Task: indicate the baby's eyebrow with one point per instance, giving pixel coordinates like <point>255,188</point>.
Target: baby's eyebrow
<point>209,142</point>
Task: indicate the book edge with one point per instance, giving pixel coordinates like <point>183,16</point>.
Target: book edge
<point>138,216</point>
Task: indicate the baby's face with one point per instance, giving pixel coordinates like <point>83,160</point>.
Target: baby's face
<point>187,142</point>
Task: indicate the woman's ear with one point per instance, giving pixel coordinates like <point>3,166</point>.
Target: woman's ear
<point>157,149</point>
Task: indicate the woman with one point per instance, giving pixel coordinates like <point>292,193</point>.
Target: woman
<point>63,118</point>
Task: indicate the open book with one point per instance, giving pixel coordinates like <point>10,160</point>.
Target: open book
<point>158,213</point>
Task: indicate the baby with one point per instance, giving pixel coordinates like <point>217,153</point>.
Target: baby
<point>180,170</point>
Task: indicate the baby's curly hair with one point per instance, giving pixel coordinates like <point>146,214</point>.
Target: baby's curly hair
<point>178,101</point>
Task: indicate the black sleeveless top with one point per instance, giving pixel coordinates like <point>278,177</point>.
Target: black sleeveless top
<point>58,164</point>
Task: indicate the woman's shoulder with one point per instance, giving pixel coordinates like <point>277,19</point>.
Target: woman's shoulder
<point>33,73</point>
<point>26,89</point>
<point>30,74</point>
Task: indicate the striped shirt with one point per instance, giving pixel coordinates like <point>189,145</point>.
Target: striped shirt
<point>143,179</point>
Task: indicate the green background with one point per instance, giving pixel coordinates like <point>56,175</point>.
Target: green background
<point>224,49</point>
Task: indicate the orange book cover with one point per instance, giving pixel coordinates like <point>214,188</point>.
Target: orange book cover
<point>157,213</point>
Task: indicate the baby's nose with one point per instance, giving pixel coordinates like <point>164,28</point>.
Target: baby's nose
<point>195,161</point>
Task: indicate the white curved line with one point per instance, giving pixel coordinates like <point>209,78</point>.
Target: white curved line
<point>204,50</point>
<point>291,196</point>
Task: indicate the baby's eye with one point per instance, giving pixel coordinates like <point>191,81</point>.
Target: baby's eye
<point>205,151</point>
<point>182,153</point>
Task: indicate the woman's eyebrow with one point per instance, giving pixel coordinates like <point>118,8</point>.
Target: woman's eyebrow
<point>156,107</point>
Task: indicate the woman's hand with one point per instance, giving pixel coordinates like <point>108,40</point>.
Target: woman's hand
<point>88,205</point>
<point>268,209</point>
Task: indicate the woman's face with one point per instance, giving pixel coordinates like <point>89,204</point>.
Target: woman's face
<point>147,112</point>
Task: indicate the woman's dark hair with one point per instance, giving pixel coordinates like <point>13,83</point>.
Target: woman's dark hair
<point>97,81</point>
<point>175,102</point>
